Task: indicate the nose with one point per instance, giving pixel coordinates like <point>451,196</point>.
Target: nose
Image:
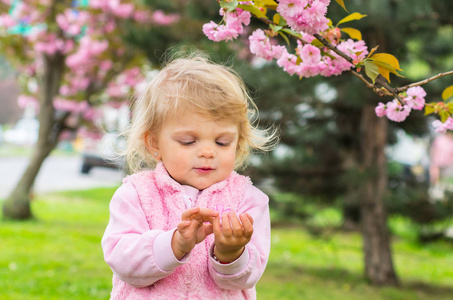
<point>206,151</point>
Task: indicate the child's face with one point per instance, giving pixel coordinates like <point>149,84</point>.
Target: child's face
<point>196,150</point>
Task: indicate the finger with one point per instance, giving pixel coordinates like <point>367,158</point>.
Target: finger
<point>250,218</point>
<point>236,225</point>
<point>217,229</point>
<point>226,227</point>
<point>247,224</point>
<point>207,213</point>
<point>189,213</point>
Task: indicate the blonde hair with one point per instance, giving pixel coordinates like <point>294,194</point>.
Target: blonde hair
<point>194,84</point>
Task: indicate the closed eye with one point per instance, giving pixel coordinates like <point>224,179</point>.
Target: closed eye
<point>186,143</point>
<point>223,144</point>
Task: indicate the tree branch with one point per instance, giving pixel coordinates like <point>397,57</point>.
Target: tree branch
<point>425,81</point>
<point>333,48</point>
<point>387,89</point>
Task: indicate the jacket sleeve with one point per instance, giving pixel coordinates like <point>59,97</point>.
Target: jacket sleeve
<point>245,272</point>
<point>137,255</point>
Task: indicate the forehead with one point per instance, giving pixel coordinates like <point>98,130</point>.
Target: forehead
<point>198,123</point>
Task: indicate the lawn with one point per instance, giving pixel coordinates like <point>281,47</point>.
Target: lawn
<point>58,256</point>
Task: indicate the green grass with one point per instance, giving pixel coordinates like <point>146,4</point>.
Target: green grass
<point>58,256</point>
<point>10,150</point>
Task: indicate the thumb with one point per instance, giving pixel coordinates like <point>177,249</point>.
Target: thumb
<point>208,228</point>
<point>183,225</point>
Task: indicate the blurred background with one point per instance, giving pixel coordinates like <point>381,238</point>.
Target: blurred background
<point>55,190</point>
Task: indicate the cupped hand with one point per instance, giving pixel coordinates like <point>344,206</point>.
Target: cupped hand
<point>195,226</point>
<point>231,235</point>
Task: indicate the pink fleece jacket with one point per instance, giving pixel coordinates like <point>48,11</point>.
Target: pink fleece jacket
<point>144,213</point>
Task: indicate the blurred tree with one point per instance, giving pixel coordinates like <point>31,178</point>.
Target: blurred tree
<point>323,140</point>
<point>71,57</point>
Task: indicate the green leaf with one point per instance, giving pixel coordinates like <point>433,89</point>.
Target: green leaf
<point>277,18</point>
<point>444,116</point>
<point>353,33</point>
<point>266,3</point>
<point>258,13</point>
<point>292,32</point>
<point>371,70</point>
<point>229,5</point>
<point>372,51</point>
<point>385,69</point>
<point>447,93</point>
<point>385,73</point>
<point>284,37</point>
<point>317,43</point>
<point>387,58</point>
<point>429,110</point>
<point>450,107</point>
<point>341,2</point>
<point>352,17</point>
<point>275,28</point>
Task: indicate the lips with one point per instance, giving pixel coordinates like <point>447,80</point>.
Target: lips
<point>204,169</point>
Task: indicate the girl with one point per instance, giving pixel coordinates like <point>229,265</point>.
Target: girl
<point>192,228</point>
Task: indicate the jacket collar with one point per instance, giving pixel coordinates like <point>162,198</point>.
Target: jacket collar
<point>164,180</point>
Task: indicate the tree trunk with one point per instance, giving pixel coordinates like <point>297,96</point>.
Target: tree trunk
<point>379,268</point>
<point>17,206</point>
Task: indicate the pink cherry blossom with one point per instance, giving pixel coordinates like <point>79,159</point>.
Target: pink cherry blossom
<point>396,112</point>
<point>288,62</point>
<point>233,27</point>
<point>415,97</point>
<point>381,110</point>
<point>307,37</point>
<point>117,91</point>
<point>91,114</point>
<point>307,70</point>
<point>71,21</point>
<point>443,127</point>
<point>310,54</point>
<point>214,31</point>
<point>261,46</point>
<point>25,100</point>
<point>69,105</point>
<point>160,18</point>
<point>123,11</point>
<point>7,21</point>
<point>305,15</point>
<point>439,126</point>
<point>106,65</point>
<point>100,4</point>
<point>357,50</point>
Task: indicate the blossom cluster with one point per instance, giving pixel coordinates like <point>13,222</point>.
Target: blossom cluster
<point>395,111</point>
<point>308,60</point>
<point>122,85</point>
<point>307,16</point>
<point>85,37</point>
<point>443,127</point>
<point>72,21</point>
<point>304,20</point>
<point>233,27</point>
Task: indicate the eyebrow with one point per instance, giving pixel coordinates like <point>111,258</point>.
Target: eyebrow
<point>191,132</point>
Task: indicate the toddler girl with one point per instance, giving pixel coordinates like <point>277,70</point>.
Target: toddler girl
<point>192,228</point>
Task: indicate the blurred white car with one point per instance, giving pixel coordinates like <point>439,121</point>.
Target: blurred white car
<point>103,153</point>
<point>25,132</point>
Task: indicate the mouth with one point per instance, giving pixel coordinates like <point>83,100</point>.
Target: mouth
<point>204,170</point>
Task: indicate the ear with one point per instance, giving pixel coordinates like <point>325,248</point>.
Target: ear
<point>152,145</point>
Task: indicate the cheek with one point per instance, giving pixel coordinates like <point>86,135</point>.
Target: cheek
<point>230,158</point>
